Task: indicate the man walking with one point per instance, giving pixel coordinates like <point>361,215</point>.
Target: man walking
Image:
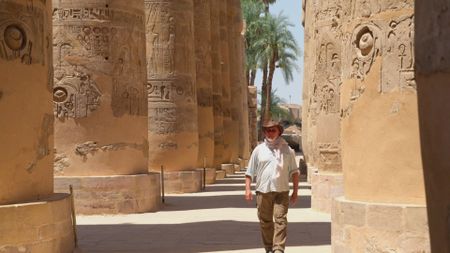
<point>273,164</point>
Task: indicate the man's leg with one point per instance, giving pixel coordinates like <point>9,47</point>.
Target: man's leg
<point>264,202</point>
<point>281,204</point>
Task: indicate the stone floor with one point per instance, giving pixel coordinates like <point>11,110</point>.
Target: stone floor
<point>216,220</point>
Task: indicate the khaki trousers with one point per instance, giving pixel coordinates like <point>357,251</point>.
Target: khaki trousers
<point>273,205</point>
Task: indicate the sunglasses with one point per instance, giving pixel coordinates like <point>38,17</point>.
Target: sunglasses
<point>271,130</point>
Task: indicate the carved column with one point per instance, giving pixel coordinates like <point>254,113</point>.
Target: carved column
<point>252,116</point>
<point>217,83</point>
<point>432,74</point>
<point>233,10</point>
<point>100,103</point>
<point>203,63</point>
<point>225,79</point>
<point>384,202</point>
<point>172,100</point>
<point>26,133</point>
<point>323,125</point>
<point>244,136</point>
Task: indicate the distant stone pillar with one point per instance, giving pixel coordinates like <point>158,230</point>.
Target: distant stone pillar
<point>244,137</point>
<point>432,71</point>
<point>323,121</point>
<point>203,63</point>
<point>253,116</point>
<point>27,202</point>
<point>233,12</point>
<point>172,100</point>
<point>384,202</point>
<point>225,79</point>
<point>100,100</point>
<point>217,83</point>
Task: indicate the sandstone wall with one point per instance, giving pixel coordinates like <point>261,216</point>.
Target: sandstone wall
<point>99,94</point>
<point>172,100</point>
<point>26,131</point>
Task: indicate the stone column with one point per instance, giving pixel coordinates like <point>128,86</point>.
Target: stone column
<point>244,143</point>
<point>100,105</point>
<point>203,63</point>
<point>28,206</point>
<point>432,74</point>
<point>172,100</point>
<point>323,121</point>
<point>233,11</point>
<point>217,83</point>
<point>225,79</point>
<point>252,116</point>
<point>384,203</point>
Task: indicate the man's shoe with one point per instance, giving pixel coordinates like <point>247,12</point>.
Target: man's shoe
<point>269,251</point>
<point>278,251</point>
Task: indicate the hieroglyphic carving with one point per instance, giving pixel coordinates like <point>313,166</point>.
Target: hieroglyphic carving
<point>160,30</point>
<point>22,33</point>
<point>75,96</point>
<point>398,61</point>
<point>329,155</point>
<point>87,40</point>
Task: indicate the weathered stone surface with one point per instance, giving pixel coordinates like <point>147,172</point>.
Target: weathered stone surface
<point>372,227</point>
<point>37,226</point>
<point>432,52</point>
<point>172,99</point>
<point>210,175</point>
<point>228,168</point>
<point>220,174</point>
<point>26,131</point>
<point>216,68</point>
<point>225,79</point>
<point>113,194</point>
<point>99,90</point>
<point>324,188</point>
<point>203,63</point>
<point>182,181</point>
<point>252,116</point>
<point>234,36</point>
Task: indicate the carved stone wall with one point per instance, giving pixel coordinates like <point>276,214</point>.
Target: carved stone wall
<point>26,131</point>
<point>99,91</point>
<point>226,87</point>
<point>172,99</point>
<point>217,83</point>
<point>203,62</point>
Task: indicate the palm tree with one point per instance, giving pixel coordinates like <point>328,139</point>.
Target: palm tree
<point>266,5</point>
<point>276,48</point>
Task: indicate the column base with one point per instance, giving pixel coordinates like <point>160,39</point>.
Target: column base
<point>372,227</point>
<point>324,188</point>
<point>237,168</point>
<point>220,174</point>
<point>310,171</point>
<point>228,168</point>
<point>39,226</point>
<point>188,181</point>
<point>210,175</point>
<point>113,194</point>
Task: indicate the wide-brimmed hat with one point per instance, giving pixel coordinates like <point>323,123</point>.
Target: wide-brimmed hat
<point>272,123</point>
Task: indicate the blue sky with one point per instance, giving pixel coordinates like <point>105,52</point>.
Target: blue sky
<point>291,92</point>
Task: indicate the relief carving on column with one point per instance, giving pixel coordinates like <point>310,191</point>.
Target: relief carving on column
<point>95,40</point>
<point>398,61</point>
<point>21,33</point>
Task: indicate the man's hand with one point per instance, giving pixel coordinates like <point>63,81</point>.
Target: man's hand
<point>294,198</point>
<point>248,195</point>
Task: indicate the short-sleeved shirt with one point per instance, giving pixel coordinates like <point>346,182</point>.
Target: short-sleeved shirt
<point>265,166</point>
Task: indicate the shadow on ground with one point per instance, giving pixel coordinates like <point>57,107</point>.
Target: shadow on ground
<point>194,237</point>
